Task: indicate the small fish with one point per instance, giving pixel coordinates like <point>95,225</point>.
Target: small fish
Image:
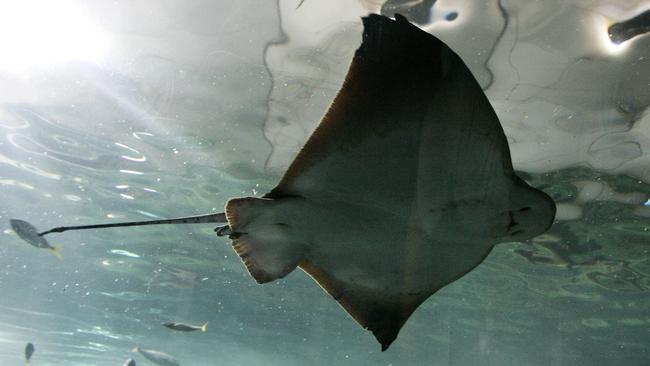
<point>186,327</point>
<point>129,362</point>
<point>157,357</point>
<point>28,232</point>
<point>29,351</point>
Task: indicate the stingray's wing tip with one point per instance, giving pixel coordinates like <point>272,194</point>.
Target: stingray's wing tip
<point>377,18</point>
<point>400,18</point>
<point>397,16</point>
<point>385,345</point>
<point>385,335</point>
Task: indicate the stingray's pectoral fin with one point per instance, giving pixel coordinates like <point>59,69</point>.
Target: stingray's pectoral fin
<point>383,317</point>
<point>381,312</point>
<point>263,244</point>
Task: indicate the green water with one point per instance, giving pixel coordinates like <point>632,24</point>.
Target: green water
<point>178,117</point>
<point>577,295</point>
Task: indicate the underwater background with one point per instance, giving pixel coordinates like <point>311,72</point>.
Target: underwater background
<point>133,110</point>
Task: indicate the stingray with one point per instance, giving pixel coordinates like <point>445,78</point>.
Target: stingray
<point>404,186</point>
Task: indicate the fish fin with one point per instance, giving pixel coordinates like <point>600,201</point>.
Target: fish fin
<point>56,250</point>
<point>260,238</point>
<point>382,314</point>
<point>204,327</point>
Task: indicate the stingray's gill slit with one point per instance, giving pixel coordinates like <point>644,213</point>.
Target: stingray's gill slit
<point>30,234</point>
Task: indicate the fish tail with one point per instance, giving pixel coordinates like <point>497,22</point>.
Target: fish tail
<point>204,327</point>
<point>56,250</point>
<point>136,348</point>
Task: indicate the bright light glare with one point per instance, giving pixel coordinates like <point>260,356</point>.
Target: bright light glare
<point>40,33</point>
<point>601,26</point>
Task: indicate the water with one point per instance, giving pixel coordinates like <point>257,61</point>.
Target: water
<point>178,107</point>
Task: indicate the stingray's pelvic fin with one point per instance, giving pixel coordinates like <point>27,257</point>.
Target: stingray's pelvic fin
<point>261,239</point>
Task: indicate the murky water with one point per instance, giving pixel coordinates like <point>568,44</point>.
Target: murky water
<point>179,106</point>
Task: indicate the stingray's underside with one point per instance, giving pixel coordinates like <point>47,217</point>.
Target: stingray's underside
<point>405,185</point>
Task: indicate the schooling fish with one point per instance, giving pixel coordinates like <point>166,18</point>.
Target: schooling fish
<point>157,357</point>
<point>28,232</point>
<point>129,362</point>
<point>29,351</point>
<point>186,327</point>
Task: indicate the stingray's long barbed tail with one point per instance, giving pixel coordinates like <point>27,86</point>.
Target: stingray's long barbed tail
<point>201,219</point>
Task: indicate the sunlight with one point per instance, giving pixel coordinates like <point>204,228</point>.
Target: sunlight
<point>41,33</point>
<point>601,26</point>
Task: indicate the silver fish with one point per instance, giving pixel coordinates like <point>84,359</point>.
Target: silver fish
<point>185,327</point>
<point>157,357</point>
<point>28,233</point>
<point>29,351</point>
